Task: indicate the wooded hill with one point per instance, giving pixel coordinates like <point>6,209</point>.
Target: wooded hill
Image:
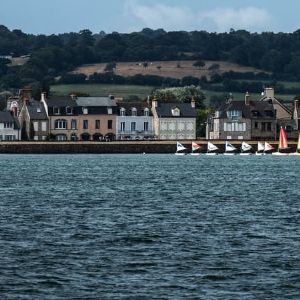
<point>51,56</point>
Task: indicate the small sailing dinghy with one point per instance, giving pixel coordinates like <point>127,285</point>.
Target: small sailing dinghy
<point>298,147</point>
<point>195,147</point>
<point>283,144</point>
<point>246,149</point>
<point>211,149</point>
<point>180,149</point>
<point>229,149</point>
<point>263,149</point>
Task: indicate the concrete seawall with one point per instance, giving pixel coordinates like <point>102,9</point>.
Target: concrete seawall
<point>112,147</point>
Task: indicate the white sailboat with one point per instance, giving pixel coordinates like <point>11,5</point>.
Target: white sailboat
<point>195,147</point>
<point>211,149</point>
<point>229,149</point>
<point>263,149</point>
<point>180,149</point>
<point>246,149</point>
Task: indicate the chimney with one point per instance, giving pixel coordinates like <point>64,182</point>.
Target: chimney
<point>26,94</point>
<point>14,111</point>
<point>296,104</point>
<point>269,92</point>
<point>247,98</point>
<point>193,103</point>
<point>43,96</point>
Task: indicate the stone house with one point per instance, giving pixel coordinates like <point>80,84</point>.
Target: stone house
<point>174,121</point>
<point>242,120</point>
<point>32,116</point>
<point>134,121</point>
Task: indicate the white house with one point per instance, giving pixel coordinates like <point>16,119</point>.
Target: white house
<point>9,127</point>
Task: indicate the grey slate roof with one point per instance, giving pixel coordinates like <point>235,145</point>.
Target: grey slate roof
<point>261,108</point>
<point>95,101</point>
<point>164,110</point>
<point>140,107</point>
<point>61,101</point>
<point>6,116</point>
<point>36,110</point>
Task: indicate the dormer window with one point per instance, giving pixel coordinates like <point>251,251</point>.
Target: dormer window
<point>85,110</point>
<point>133,112</point>
<point>175,112</point>
<point>56,110</point>
<point>109,111</point>
<point>38,109</point>
<point>146,112</point>
<point>234,114</point>
<point>122,111</point>
<point>69,110</point>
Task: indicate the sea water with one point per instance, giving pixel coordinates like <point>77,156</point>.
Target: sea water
<point>149,227</point>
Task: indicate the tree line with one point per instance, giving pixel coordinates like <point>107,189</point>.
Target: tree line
<point>54,55</point>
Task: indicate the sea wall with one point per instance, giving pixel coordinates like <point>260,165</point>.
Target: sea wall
<point>111,147</point>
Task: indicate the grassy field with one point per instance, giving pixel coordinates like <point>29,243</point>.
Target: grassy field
<point>126,91</point>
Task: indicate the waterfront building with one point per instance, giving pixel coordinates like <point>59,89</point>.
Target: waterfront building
<point>296,115</point>
<point>62,115</point>
<point>134,121</point>
<point>96,118</point>
<point>242,120</point>
<point>174,121</point>
<point>9,127</point>
<point>32,116</point>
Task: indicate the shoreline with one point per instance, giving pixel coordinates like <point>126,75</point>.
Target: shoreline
<point>115,147</point>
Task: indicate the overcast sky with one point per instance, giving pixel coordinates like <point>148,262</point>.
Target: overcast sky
<point>59,16</point>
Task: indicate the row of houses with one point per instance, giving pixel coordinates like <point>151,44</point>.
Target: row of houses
<point>72,118</point>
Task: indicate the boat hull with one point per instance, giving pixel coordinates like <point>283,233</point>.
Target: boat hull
<point>195,154</point>
<point>228,153</point>
<point>280,154</point>
<point>295,154</point>
<point>180,153</point>
<point>211,153</point>
<point>246,153</point>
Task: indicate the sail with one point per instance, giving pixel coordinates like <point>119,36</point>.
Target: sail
<point>283,142</point>
<point>260,146</point>
<point>268,147</point>
<point>180,147</point>
<point>211,147</point>
<point>246,147</point>
<point>195,146</point>
<point>298,147</point>
<point>229,147</point>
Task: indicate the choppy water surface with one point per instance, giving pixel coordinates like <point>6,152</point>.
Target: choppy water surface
<point>149,227</point>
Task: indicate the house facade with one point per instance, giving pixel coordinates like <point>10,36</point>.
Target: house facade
<point>174,121</point>
<point>96,118</point>
<point>134,121</point>
<point>9,127</point>
<point>242,120</point>
<point>31,115</point>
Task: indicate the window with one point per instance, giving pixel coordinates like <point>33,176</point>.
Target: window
<point>255,125</point>
<point>109,111</point>
<point>146,112</point>
<point>85,124</point>
<point>234,126</point>
<point>146,126</point>
<point>85,110</point>
<point>269,113</point>
<point>263,126</point>
<point>122,126</point>
<point>122,112</point>
<point>133,126</point>
<point>69,110</point>
<point>109,124</point>
<point>234,114</point>
<point>56,110</point>
<point>60,124</point>
<point>60,137</point>
<point>176,112</point>
<point>97,124</point>
<point>133,112</point>
<point>36,138</point>
<point>44,126</point>
<point>269,126</point>
<point>9,137</point>
<point>73,124</point>
<point>35,126</point>
<point>8,125</point>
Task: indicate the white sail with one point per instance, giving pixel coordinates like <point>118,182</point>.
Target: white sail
<point>229,147</point>
<point>211,147</point>
<point>268,147</point>
<point>180,147</point>
<point>260,146</point>
<point>195,146</point>
<point>246,147</point>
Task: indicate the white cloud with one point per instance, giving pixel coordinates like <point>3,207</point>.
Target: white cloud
<point>184,18</point>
